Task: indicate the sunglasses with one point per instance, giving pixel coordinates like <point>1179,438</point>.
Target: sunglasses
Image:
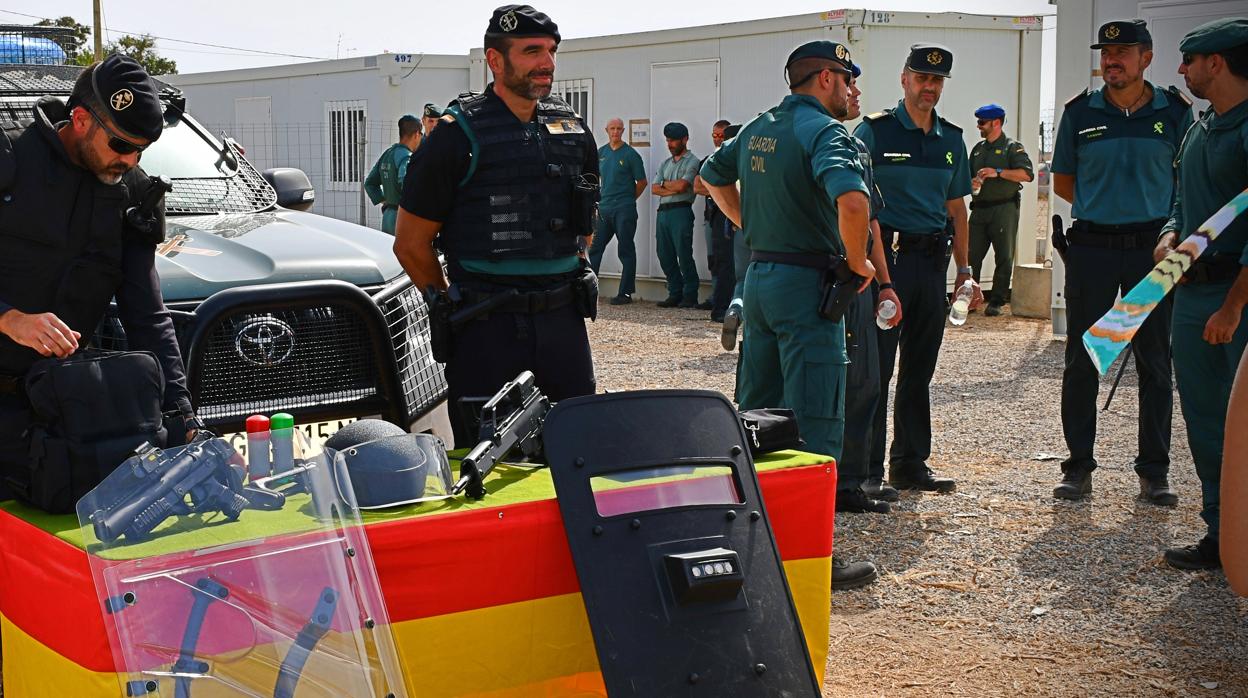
<point>981,122</point>
<point>119,145</point>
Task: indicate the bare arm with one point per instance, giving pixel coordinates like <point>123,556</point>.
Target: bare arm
<point>1064,186</point>
<point>728,199</point>
<point>641,186</point>
<point>413,245</point>
<point>853,209</point>
<point>699,187</point>
<point>1017,174</point>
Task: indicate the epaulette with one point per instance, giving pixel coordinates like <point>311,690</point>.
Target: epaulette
<point>1082,94</point>
<point>878,115</point>
<point>950,124</point>
<point>447,117</point>
<point>1179,94</point>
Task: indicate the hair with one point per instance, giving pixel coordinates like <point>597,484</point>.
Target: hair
<point>722,123</point>
<point>498,42</point>
<point>806,68</point>
<point>1236,60</point>
<point>83,94</point>
<point>408,125</point>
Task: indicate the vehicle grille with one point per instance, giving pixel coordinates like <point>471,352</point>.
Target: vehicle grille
<point>422,379</point>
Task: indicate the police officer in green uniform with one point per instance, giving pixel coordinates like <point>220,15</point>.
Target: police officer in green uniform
<point>67,179</point>
<point>921,169</point>
<point>384,183</point>
<point>999,166</point>
<point>1210,329</point>
<point>623,180</point>
<point>1114,160</point>
<point>802,200</point>
<point>507,185</point>
<point>429,118</point>
<point>673,184</point>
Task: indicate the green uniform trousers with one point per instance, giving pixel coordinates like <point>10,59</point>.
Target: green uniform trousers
<point>996,226</point>
<point>389,216</point>
<point>675,247</point>
<point>1204,373</point>
<point>791,357</point>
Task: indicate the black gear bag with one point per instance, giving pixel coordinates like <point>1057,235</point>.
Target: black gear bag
<point>88,413</point>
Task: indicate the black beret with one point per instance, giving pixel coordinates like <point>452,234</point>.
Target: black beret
<point>128,96</point>
<point>732,131</point>
<point>932,59</point>
<point>1123,33</point>
<point>675,131</point>
<point>521,20</point>
<point>830,50</point>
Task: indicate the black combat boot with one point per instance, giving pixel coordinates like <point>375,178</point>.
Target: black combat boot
<point>921,478</point>
<point>669,302</point>
<point>1157,491</point>
<point>876,489</point>
<point>852,575</point>
<point>1202,556</point>
<point>1076,484</point>
<point>856,501</point>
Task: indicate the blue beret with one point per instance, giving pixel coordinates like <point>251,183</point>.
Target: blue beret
<point>855,71</point>
<point>830,50</point>
<point>1123,33</point>
<point>990,111</point>
<point>1218,35</point>
<point>932,59</point>
<point>521,20</point>
<point>675,130</point>
<point>128,96</point>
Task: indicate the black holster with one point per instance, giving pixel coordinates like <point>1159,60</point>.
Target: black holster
<point>585,294</point>
<point>439,324</point>
<point>89,412</point>
<point>840,285</point>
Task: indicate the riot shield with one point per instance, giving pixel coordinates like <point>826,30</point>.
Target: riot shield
<point>215,587</point>
<point>678,567</point>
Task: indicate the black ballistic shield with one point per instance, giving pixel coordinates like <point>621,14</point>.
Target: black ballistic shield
<point>678,567</point>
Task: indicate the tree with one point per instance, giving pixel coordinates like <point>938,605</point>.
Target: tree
<point>140,48</point>
<point>72,46</point>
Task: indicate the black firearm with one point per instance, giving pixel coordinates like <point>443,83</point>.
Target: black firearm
<point>160,484</point>
<point>143,216</point>
<point>512,418</point>
<point>447,314</point>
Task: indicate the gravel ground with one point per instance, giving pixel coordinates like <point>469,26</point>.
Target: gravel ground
<point>998,589</point>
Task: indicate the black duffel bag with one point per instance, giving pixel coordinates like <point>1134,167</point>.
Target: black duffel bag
<point>88,414</point>
<point>771,429</point>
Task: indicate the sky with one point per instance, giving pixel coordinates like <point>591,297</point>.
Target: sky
<point>295,32</point>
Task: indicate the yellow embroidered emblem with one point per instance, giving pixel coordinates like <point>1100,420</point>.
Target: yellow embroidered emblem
<point>1112,31</point>
<point>935,58</point>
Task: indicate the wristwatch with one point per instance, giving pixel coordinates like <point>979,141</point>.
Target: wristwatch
<point>998,171</point>
<point>964,270</point>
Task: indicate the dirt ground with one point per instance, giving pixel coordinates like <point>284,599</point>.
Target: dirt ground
<point>997,589</point>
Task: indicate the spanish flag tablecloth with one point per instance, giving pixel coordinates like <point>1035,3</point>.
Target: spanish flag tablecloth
<point>482,596</point>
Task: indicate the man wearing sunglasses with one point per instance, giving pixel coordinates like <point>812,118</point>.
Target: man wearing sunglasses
<point>999,166</point>
<point>67,246</point>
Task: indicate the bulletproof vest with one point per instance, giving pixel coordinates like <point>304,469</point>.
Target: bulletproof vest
<point>517,202</point>
<point>391,187</point>
<point>61,237</point>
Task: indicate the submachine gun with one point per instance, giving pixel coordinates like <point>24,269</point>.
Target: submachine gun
<point>512,418</point>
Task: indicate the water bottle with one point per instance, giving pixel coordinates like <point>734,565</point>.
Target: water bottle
<point>962,303</point>
<point>887,311</point>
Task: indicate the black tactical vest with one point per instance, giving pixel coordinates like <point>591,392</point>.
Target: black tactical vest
<point>518,200</point>
<point>60,233</point>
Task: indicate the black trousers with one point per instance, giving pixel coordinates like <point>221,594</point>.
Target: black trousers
<point>1094,277</point>
<point>492,350</point>
<point>919,281</point>
<point>14,448</point>
<point>862,390</point>
<point>723,266</point>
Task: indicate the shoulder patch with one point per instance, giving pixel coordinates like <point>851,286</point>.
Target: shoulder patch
<point>877,115</point>
<point>1082,94</point>
<point>1179,95</point>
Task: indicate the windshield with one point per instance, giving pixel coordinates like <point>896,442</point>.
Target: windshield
<point>182,153</point>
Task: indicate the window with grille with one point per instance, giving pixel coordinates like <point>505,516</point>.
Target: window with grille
<point>579,94</point>
<point>346,122</point>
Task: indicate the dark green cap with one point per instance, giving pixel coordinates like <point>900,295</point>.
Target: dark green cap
<point>1216,36</point>
<point>932,59</point>
<point>830,50</point>
<point>1123,32</point>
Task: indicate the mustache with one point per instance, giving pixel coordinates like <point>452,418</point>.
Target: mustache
<point>542,74</point>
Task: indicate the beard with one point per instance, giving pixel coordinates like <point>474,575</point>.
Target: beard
<point>839,108</point>
<point>523,85</point>
<point>106,173</point>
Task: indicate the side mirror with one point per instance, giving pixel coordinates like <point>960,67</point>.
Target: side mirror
<point>294,189</point>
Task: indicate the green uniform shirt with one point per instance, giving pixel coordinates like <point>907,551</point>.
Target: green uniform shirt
<point>620,171</point>
<point>1123,165</point>
<point>793,161</point>
<point>671,169</point>
<point>916,171</point>
<point>1213,168</point>
<point>1004,154</point>
<point>384,183</point>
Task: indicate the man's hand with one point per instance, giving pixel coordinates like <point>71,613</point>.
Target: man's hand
<point>977,294</point>
<point>986,173</point>
<point>889,294</point>
<point>1165,245</point>
<point>866,270</point>
<point>1220,328</point>
<point>43,332</point>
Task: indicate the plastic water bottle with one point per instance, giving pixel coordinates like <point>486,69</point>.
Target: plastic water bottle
<point>962,303</point>
<point>887,311</point>
<point>282,437</point>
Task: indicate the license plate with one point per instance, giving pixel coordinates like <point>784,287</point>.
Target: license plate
<point>317,432</point>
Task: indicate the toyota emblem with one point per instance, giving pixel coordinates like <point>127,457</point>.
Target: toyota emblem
<point>264,341</point>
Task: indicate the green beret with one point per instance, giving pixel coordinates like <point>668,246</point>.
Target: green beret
<point>829,50</point>
<point>1216,36</point>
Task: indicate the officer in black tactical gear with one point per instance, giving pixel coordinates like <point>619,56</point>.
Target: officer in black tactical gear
<point>506,187</point>
<point>68,247</point>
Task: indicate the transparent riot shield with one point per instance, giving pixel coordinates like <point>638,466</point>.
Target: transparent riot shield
<point>212,586</point>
